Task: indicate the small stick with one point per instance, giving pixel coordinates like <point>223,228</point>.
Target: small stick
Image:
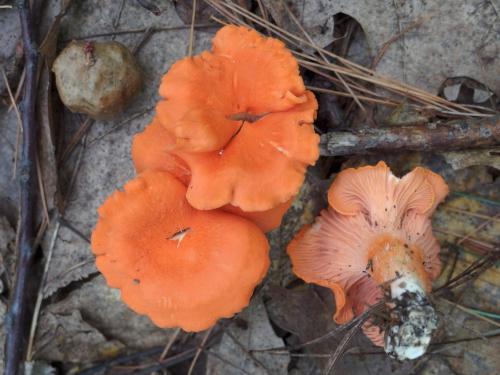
<point>116,21</point>
<point>170,343</point>
<point>200,348</point>
<point>19,315</point>
<point>337,354</point>
<point>474,214</point>
<point>387,44</point>
<point>471,312</point>
<point>143,30</point>
<point>19,129</point>
<point>191,30</point>
<point>450,135</point>
<point>38,303</point>
<point>20,86</point>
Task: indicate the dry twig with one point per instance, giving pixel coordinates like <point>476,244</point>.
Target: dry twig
<point>456,134</point>
<point>19,315</point>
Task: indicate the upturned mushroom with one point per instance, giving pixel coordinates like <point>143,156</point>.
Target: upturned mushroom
<point>151,150</point>
<point>241,119</point>
<point>180,266</point>
<point>373,242</point>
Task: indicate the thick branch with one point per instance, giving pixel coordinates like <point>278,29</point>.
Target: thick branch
<point>18,319</point>
<point>451,135</point>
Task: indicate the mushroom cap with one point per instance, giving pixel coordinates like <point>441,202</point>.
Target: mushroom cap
<point>262,166</point>
<point>266,220</point>
<point>375,190</point>
<point>151,150</point>
<point>376,224</point>
<point>198,103</point>
<point>266,75</point>
<point>180,266</point>
<point>244,73</point>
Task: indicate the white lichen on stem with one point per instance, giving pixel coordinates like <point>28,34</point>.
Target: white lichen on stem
<point>413,319</point>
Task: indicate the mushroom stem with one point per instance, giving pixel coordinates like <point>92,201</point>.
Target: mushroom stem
<point>413,319</point>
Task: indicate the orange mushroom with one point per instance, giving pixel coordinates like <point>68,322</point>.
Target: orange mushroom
<point>151,150</point>
<point>179,266</point>
<point>376,232</point>
<point>241,119</point>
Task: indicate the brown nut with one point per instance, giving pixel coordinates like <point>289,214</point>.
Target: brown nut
<point>95,78</point>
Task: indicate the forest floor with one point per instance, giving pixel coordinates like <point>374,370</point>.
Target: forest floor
<point>449,50</point>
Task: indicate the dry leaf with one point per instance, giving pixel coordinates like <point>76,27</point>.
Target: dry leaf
<point>317,23</point>
<point>70,339</point>
<point>257,333</point>
<point>8,186</point>
<point>3,312</point>
<point>455,38</point>
<point>102,306</point>
<point>7,250</point>
<point>464,159</point>
<point>288,308</point>
<point>10,40</point>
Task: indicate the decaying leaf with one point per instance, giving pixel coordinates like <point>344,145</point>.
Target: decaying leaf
<point>468,357</point>
<point>291,310</point>
<point>46,146</point>
<point>204,12</point>
<point>10,53</point>
<point>7,244</point>
<point>464,159</point>
<point>255,333</point>
<point>45,105</point>
<point>287,309</point>
<point>316,22</point>
<point>103,308</point>
<point>452,38</point>
<point>8,185</point>
<point>3,311</point>
<point>72,258</point>
<point>69,338</point>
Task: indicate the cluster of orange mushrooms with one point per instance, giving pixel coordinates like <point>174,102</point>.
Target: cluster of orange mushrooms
<point>220,164</point>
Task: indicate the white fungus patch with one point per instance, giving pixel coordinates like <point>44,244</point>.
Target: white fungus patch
<point>413,320</point>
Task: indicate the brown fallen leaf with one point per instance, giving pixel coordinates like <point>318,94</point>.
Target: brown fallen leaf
<point>455,38</point>
<point>102,306</point>
<point>288,307</point>
<point>255,333</point>
<point>3,312</point>
<point>70,339</point>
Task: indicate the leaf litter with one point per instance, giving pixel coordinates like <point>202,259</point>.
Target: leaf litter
<point>432,38</point>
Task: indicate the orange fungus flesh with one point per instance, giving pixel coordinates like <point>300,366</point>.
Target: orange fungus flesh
<point>179,266</point>
<point>263,166</point>
<point>376,227</point>
<point>240,117</point>
<point>151,150</point>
